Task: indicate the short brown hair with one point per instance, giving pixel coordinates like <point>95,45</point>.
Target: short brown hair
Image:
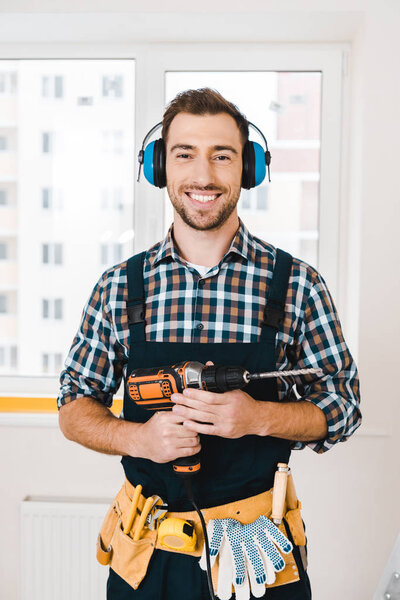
<point>200,102</point>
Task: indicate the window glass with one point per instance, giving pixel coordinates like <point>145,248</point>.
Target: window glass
<point>286,106</point>
<point>55,162</point>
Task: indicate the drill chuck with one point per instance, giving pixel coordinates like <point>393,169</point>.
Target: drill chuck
<point>223,379</point>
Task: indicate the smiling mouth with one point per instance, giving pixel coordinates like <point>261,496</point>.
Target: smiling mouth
<point>204,198</point>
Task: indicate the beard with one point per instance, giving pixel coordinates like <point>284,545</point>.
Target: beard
<point>204,220</point>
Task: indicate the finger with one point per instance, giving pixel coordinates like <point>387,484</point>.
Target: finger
<point>171,418</point>
<point>201,428</point>
<point>206,397</point>
<point>193,414</point>
<point>269,550</point>
<point>225,572</point>
<point>195,403</point>
<point>209,362</point>
<point>276,535</point>
<point>254,561</point>
<point>257,589</point>
<point>242,592</point>
<point>214,533</point>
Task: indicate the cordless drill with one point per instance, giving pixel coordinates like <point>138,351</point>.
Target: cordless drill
<point>152,389</point>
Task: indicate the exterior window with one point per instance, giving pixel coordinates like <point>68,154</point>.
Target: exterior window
<point>45,253</point>
<point>52,86</point>
<point>58,86</point>
<point>45,308</point>
<point>112,86</point>
<point>3,251</point>
<point>13,357</point>
<point>47,142</point>
<point>52,254</point>
<point>3,198</point>
<point>46,198</point>
<point>58,254</point>
<point>3,303</point>
<point>58,306</point>
<point>3,143</point>
<point>45,363</point>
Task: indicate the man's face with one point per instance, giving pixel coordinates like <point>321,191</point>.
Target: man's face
<point>204,168</point>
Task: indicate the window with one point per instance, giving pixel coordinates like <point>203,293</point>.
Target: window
<point>102,96</point>
<point>46,198</point>
<point>8,82</point>
<point>3,303</point>
<point>58,308</point>
<point>3,143</point>
<point>52,86</point>
<point>286,106</point>
<point>112,86</point>
<point>3,197</point>
<point>47,142</point>
<point>3,250</point>
<point>52,254</point>
<point>52,308</point>
<point>52,362</point>
<point>45,308</point>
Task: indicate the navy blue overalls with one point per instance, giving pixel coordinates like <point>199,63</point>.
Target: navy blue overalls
<point>231,469</point>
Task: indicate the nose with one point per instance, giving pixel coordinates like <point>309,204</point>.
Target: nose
<point>202,171</point>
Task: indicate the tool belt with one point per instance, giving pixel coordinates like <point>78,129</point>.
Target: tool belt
<point>130,558</point>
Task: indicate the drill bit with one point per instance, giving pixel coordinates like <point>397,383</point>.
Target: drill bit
<point>309,371</point>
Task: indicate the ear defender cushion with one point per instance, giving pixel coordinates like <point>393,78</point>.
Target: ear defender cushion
<point>248,160</point>
<point>154,163</point>
<point>260,168</point>
<point>160,179</point>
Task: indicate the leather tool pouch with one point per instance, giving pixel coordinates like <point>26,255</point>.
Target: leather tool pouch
<point>128,558</point>
<point>295,522</point>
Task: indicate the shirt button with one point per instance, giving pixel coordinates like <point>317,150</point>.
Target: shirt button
<point>199,326</point>
<point>202,281</point>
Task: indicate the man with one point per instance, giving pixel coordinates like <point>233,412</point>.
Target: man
<point>206,288</point>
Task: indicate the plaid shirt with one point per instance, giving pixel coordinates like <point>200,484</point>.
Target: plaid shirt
<point>229,301</point>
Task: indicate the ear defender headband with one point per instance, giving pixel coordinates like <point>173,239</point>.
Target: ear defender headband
<point>254,159</point>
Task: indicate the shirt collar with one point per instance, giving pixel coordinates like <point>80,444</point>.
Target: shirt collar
<point>242,244</point>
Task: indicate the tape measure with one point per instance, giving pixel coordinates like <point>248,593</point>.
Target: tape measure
<point>177,534</point>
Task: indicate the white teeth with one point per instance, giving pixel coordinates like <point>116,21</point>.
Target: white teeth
<point>202,198</point>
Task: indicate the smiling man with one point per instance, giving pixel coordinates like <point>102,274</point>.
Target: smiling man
<point>211,292</point>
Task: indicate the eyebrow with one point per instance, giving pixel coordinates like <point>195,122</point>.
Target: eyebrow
<point>189,147</point>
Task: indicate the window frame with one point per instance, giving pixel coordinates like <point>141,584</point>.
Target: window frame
<point>152,60</point>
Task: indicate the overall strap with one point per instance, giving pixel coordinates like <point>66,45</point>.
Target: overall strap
<point>136,302</point>
<point>274,311</point>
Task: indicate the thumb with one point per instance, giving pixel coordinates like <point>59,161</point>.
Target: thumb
<point>209,362</point>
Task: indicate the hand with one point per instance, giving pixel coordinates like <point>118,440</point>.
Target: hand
<point>229,415</point>
<point>248,558</point>
<point>163,438</point>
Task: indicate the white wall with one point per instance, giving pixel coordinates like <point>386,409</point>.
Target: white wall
<point>350,495</point>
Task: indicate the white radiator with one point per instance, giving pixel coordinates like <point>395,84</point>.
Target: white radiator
<point>58,549</point>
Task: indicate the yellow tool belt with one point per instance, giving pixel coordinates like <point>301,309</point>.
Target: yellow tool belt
<point>130,558</point>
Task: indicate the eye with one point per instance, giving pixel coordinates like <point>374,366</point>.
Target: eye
<point>182,155</point>
<point>221,156</point>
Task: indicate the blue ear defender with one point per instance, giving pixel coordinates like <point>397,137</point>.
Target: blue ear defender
<point>255,161</point>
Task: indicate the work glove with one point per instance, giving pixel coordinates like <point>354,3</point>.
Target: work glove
<point>248,558</point>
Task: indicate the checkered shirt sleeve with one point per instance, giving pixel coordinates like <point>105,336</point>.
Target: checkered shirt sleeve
<point>95,361</point>
<point>320,343</point>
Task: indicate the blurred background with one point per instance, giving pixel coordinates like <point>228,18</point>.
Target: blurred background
<point>80,86</point>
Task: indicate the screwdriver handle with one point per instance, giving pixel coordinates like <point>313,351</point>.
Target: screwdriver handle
<point>279,493</point>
